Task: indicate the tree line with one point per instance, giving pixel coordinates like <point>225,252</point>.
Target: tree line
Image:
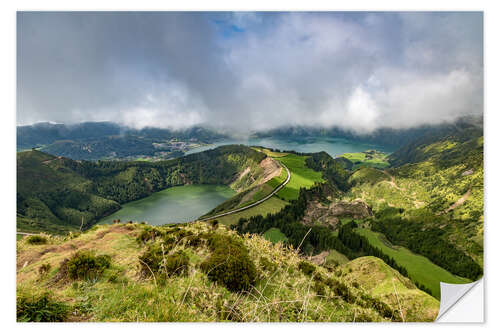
<point>429,243</point>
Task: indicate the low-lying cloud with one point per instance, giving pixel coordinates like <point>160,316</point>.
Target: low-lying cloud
<point>250,71</point>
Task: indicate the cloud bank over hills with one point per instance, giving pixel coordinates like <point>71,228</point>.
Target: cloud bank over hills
<point>250,71</point>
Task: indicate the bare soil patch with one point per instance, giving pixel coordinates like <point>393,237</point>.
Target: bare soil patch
<point>271,169</point>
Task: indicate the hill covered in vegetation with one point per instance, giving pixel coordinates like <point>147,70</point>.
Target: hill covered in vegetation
<point>434,189</point>
<point>55,194</point>
<point>407,226</point>
<point>201,272</point>
<point>107,140</point>
<point>423,217</point>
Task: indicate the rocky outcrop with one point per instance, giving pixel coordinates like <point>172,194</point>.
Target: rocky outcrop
<point>357,209</point>
<point>329,215</point>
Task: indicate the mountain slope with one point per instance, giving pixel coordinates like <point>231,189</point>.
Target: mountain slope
<point>176,284</point>
<point>378,279</point>
<point>56,194</point>
<point>437,184</point>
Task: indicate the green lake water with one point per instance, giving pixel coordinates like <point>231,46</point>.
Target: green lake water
<point>175,204</point>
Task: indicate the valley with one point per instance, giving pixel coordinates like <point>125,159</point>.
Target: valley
<point>213,165</point>
<point>336,211</point>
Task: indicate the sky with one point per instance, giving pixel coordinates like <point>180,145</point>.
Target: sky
<point>248,71</point>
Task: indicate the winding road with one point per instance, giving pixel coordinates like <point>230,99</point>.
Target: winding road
<point>255,203</point>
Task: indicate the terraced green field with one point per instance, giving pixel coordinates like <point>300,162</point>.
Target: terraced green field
<point>272,205</point>
<point>275,235</point>
<point>301,176</point>
<point>419,268</point>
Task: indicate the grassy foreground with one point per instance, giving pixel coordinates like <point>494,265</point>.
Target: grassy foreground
<point>179,284</point>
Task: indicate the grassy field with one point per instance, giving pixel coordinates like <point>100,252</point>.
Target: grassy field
<point>272,205</point>
<point>301,176</point>
<point>275,235</point>
<point>372,159</point>
<point>419,268</point>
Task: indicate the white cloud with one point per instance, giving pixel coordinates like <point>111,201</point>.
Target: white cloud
<point>360,71</point>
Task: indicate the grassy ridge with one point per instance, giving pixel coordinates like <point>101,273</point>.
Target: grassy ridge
<point>250,196</point>
<point>285,288</point>
<point>381,280</point>
<point>420,269</point>
<point>300,176</point>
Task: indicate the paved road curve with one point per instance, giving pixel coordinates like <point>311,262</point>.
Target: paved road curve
<point>255,203</point>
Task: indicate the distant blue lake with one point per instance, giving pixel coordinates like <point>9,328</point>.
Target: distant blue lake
<point>333,146</point>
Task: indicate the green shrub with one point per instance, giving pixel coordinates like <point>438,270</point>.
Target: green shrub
<point>40,309</point>
<point>382,308</point>
<point>151,259</point>
<point>148,234</point>
<point>319,288</point>
<point>306,267</point>
<point>36,240</point>
<point>177,264</point>
<point>229,264</point>
<point>155,260</point>
<point>86,265</point>
<point>340,289</point>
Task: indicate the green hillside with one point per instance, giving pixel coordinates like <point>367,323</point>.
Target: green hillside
<point>57,194</point>
<point>135,272</point>
<point>430,213</point>
<point>439,192</point>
